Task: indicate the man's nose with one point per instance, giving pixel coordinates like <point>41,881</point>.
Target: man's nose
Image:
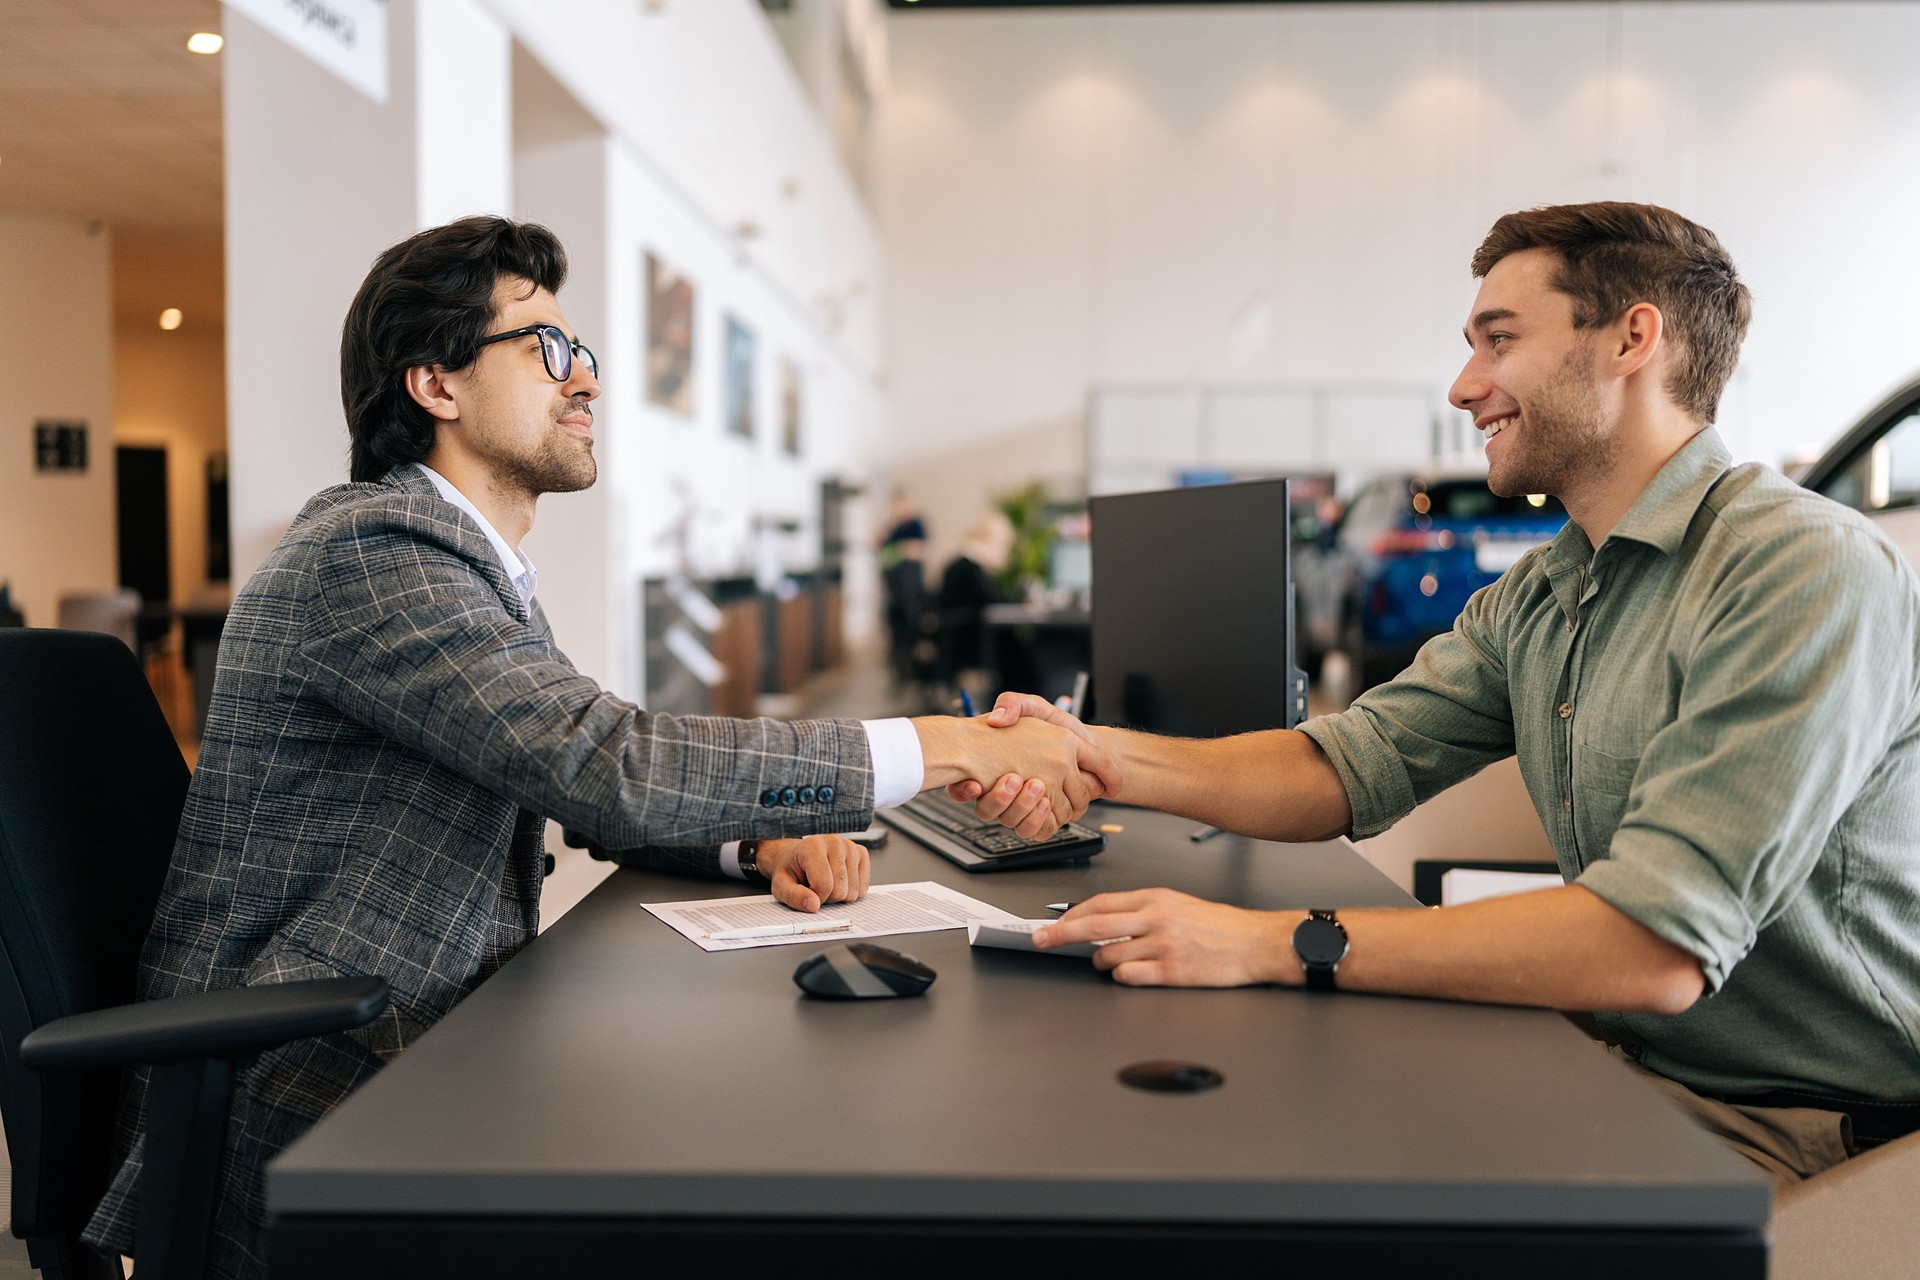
<point>583,383</point>
<point>1470,388</point>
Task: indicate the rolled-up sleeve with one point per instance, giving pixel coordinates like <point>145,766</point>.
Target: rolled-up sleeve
<point>1443,719</point>
<point>1785,714</point>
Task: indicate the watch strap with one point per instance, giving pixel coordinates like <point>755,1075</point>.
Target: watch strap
<point>750,862</point>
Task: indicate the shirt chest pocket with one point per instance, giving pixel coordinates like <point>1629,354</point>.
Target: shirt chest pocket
<point>1602,782</point>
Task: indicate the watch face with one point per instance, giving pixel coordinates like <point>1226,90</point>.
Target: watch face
<point>1320,942</point>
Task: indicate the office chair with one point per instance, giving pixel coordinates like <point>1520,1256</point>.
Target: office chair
<point>91,788</point>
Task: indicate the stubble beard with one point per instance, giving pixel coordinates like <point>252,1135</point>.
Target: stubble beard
<point>561,463</point>
<point>1563,438</point>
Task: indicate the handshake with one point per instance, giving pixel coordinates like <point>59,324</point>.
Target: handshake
<point>1026,764</point>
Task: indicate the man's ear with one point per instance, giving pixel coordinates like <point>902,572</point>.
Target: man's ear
<point>1637,338</point>
<point>427,384</point>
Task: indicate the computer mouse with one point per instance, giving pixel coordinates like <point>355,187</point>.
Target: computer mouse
<point>861,971</point>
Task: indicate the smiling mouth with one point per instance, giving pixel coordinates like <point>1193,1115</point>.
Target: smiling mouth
<point>1491,429</point>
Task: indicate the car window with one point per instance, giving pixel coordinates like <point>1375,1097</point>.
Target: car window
<point>1885,476</point>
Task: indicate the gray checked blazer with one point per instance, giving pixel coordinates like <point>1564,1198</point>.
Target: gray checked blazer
<point>390,728</point>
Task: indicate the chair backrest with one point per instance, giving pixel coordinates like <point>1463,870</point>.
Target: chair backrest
<point>91,788</point>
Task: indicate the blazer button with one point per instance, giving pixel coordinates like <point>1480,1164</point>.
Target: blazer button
<point>808,795</point>
<point>768,799</point>
<point>826,795</point>
<point>789,796</point>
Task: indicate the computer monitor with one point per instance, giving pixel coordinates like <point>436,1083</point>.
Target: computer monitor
<point>1070,565</point>
<point>1193,611</point>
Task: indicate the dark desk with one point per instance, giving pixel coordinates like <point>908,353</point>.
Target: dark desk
<point>616,1098</point>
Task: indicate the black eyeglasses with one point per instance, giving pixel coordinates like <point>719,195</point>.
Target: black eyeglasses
<point>556,349</point>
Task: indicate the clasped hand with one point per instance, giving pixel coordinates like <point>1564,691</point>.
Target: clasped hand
<point>1029,772</point>
<point>1023,801</point>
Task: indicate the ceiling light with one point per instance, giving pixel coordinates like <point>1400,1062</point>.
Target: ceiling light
<point>204,42</point>
<point>170,318</point>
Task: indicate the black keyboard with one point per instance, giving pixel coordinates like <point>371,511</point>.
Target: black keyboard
<point>952,831</point>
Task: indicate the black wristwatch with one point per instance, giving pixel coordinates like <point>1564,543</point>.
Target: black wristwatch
<point>1321,943</point>
<point>750,862</point>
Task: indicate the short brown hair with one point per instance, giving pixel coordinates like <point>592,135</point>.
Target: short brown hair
<point>1614,255</point>
<point>428,301</point>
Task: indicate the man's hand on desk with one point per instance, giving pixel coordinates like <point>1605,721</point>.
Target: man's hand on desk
<point>1171,939</point>
<point>816,869</point>
<point>1043,773</point>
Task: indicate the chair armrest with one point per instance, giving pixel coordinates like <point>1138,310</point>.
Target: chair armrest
<point>210,1024</point>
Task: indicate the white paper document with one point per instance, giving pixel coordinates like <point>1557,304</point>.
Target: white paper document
<point>1464,884</point>
<point>921,907</point>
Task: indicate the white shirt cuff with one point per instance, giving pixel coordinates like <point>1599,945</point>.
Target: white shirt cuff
<point>899,768</point>
<point>730,860</point>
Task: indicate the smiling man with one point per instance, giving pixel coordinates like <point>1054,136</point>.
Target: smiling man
<point>392,722</point>
<point>1711,678</point>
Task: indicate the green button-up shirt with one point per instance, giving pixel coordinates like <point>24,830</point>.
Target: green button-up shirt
<point>1717,714</point>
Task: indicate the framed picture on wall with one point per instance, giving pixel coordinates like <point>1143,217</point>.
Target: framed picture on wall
<point>790,407</point>
<point>740,344</point>
<point>669,356</point>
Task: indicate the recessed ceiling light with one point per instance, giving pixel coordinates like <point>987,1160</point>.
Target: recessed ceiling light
<point>205,42</point>
<point>170,318</point>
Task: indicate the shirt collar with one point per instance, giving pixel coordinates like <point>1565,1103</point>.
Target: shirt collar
<point>520,571</point>
<point>1662,513</point>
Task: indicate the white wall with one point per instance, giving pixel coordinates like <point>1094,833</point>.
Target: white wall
<point>56,528</point>
<point>1242,193</point>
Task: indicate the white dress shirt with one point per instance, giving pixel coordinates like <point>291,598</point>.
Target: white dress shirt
<point>899,767</point>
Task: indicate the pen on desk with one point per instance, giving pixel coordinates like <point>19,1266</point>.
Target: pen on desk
<point>966,704</point>
<point>1062,906</point>
<point>778,931</point>
<point>1200,835</point>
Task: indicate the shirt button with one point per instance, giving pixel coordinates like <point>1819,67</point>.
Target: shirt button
<point>1569,628</point>
<point>789,796</point>
<point>826,795</point>
<point>807,795</point>
<point>1566,802</point>
<point>1566,710</point>
<point>768,799</point>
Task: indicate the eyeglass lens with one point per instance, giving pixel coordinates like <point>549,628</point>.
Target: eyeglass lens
<point>557,351</point>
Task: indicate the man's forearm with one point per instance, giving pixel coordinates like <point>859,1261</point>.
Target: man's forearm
<point>1276,785</point>
<point>1561,948</point>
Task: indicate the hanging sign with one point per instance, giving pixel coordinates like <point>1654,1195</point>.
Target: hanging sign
<point>347,37</point>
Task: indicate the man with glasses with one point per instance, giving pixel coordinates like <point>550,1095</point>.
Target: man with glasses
<point>392,723</point>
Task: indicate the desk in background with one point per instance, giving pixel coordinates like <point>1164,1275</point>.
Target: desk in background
<point>615,1099</point>
<point>1038,649</point>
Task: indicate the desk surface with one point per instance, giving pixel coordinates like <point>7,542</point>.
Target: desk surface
<point>615,1069</point>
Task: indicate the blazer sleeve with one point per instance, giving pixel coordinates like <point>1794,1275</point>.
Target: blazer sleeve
<point>405,635</point>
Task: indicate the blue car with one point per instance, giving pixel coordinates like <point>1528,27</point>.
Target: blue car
<point>1398,566</point>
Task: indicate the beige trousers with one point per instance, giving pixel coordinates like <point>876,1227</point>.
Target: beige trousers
<point>1790,1144</point>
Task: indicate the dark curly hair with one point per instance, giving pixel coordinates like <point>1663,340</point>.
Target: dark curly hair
<point>428,301</point>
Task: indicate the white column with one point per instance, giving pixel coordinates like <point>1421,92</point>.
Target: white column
<point>463,126</point>
<point>319,180</point>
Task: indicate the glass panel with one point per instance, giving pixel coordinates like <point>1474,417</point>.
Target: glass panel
<point>1902,445</point>
<point>1886,475</point>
